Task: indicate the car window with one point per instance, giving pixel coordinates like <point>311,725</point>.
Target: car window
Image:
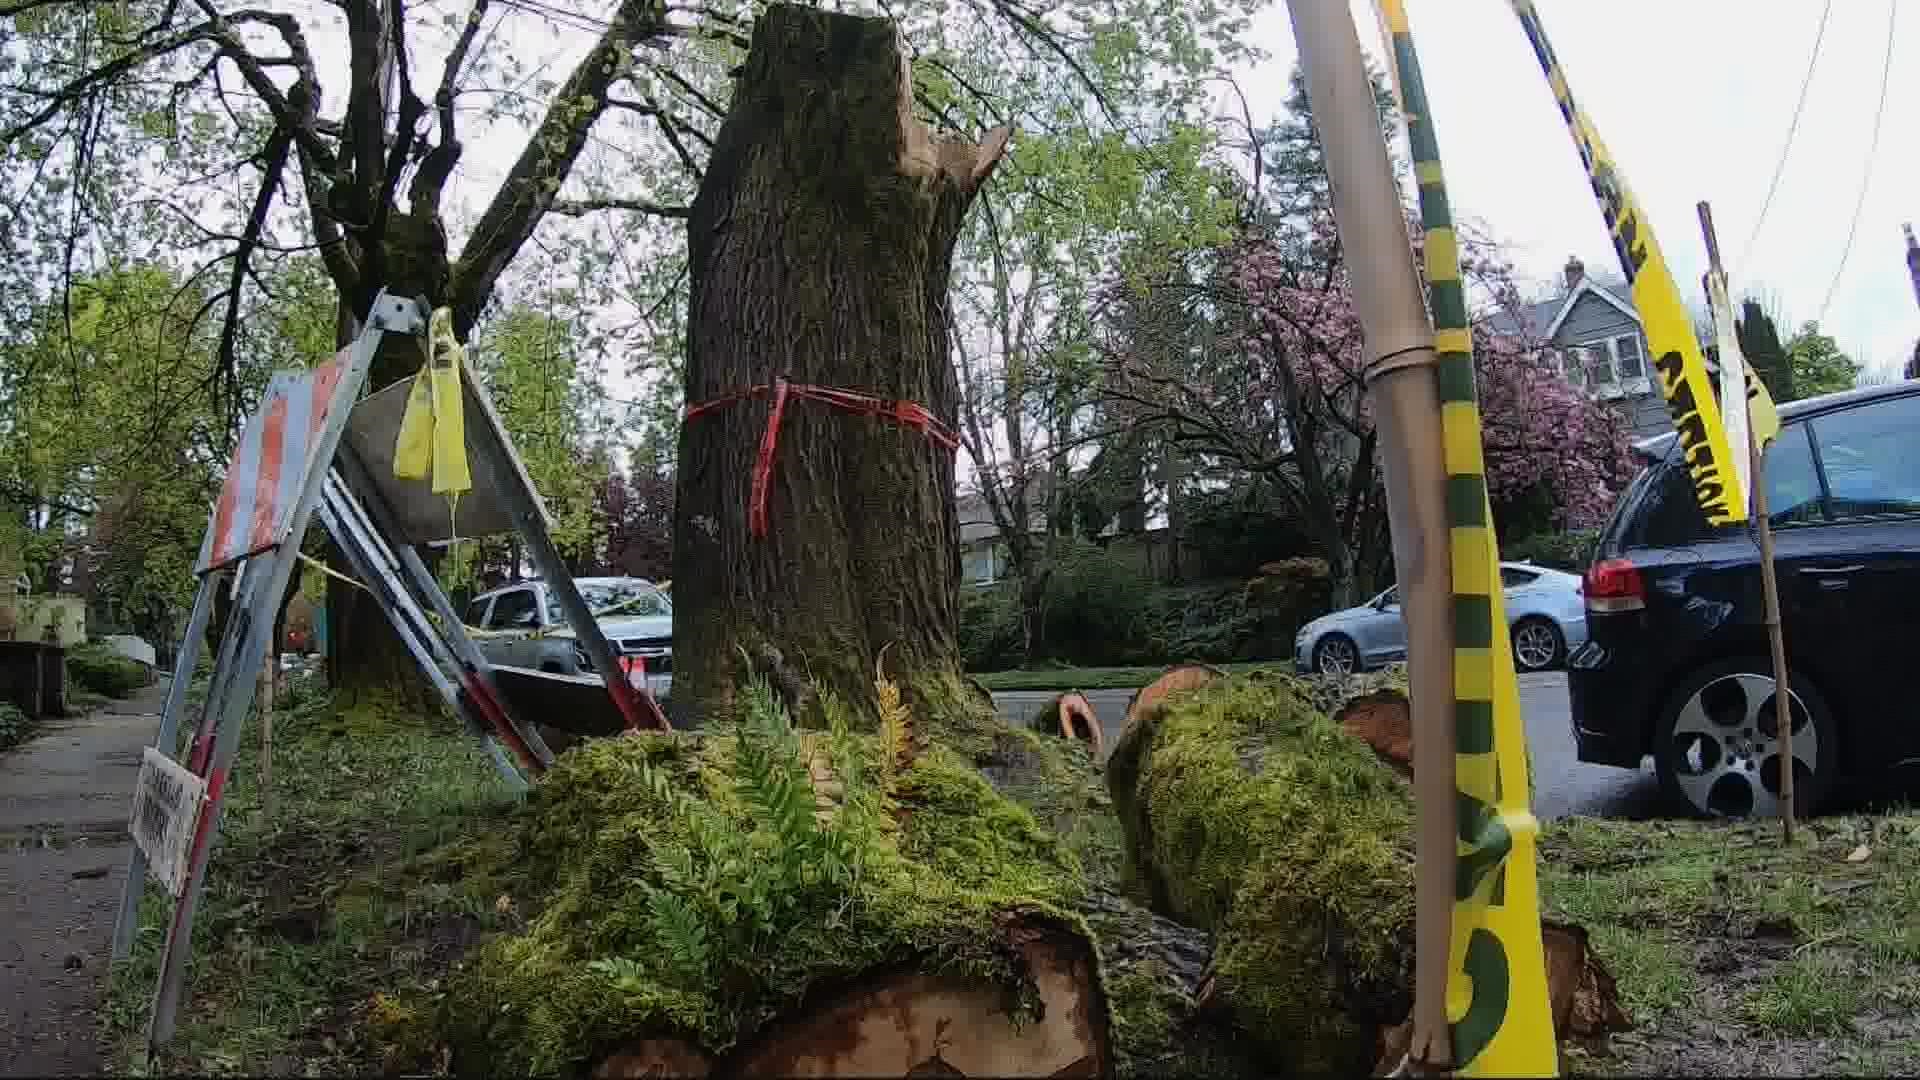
<point>1669,517</point>
<point>1511,578</point>
<point>1793,484</point>
<point>512,609</point>
<point>477,612</point>
<point>1871,458</point>
<point>630,598</point>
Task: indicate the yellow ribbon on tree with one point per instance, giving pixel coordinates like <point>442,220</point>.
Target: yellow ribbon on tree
<point>433,434</point>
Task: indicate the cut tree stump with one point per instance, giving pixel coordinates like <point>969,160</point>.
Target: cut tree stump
<point>1275,812</point>
<point>814,521</point>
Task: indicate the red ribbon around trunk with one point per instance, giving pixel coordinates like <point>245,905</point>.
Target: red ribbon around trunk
<point>908,413</point>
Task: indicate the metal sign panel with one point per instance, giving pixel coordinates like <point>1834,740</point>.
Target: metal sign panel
<point>271,463</point>
<point>166,809</point>
<point>421,516</point>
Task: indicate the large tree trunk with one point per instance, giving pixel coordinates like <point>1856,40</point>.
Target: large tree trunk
<point>368,665</point>
<point>820,244</point>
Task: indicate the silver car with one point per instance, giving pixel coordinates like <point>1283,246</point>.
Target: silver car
<point>522,625</point>
<point>1545,613</point>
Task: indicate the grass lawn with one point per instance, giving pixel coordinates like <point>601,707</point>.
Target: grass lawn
<point>313,909</point>
<point>385,858</point>
<point>1100,678</point>
<point>1737,956</point>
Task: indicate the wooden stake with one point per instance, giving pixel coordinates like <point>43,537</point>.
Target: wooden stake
<point>268,684</point>
<point>1769,582</point>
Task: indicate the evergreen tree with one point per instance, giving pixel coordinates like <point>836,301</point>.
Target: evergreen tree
<point>1760,344</point>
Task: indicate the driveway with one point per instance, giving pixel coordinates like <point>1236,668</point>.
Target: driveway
<point>1563,786</point>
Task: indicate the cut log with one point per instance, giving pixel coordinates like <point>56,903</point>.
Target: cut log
<point>908,1023</point>
<point>1172,681</point>
<point>1071,716</point>
<point>1249,812</point>
<point>762,901</point>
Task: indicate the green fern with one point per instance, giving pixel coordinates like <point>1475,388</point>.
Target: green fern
<point>681,932</point>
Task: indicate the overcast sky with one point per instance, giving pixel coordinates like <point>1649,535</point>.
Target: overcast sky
<point>1693,98</point>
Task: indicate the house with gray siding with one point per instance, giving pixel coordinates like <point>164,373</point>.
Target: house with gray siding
<point>1597,338</point>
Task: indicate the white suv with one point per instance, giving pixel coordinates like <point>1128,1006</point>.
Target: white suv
<point>522,626</point>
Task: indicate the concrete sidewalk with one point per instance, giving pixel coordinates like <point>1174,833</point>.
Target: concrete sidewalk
<point>64,800</point>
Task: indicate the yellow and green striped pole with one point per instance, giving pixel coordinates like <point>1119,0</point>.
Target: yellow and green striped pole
<point>1496,989</point>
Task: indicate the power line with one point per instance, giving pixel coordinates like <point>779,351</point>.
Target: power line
<point>1866,179</point>
<point>1792,127</point>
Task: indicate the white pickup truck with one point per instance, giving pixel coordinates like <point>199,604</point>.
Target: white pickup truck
<point>523,625</point>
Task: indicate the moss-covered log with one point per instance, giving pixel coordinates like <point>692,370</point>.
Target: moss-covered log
<point>759,901</point>
<point>820,244</point>
<point>1250,811</point>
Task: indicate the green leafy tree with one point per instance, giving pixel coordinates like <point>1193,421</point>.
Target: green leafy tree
<point>110,447</point>
<point>1819,367</point>
<point>221,135</point>
<point>549,404</point>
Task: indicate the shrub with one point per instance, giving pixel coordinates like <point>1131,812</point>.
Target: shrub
<point>16,727</point>
<point>1570,551</point>
<point>990,637</point>
<point>104,671</point>
<point>1100,607</point>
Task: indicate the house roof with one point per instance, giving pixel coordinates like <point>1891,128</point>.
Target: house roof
<point>1541,318</point>
<point>1587,287</point>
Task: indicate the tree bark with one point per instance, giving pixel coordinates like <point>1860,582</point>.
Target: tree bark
<point>367,663</point>
<point>820,245</point>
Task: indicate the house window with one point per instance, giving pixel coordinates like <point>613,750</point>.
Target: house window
<point>1574,362</point>
<point>1599,365</point>
<point>979,565</point>
<point>1627,357</point>
<point>1605,362</point>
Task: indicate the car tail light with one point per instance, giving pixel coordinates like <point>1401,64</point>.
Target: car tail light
<point>1614,585</point>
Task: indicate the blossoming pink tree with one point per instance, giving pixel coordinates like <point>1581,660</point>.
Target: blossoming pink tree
<point>1270,389</point>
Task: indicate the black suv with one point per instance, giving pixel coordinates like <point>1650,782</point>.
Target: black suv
<point>1676,664</point>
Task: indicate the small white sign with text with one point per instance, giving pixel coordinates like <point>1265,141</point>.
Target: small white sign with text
<point>166,809</point>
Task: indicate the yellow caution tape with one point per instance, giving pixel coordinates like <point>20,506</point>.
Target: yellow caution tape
<point>1502,1024</point>
<point>1677,360</point>
<point>433,435</point>
<point>331,572</point>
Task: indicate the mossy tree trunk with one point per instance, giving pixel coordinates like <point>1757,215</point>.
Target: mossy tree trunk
<point>367,663</point>
<point>820,244</point>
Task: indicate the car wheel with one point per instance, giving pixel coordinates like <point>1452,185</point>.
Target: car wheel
<point>1336,654</point>
<point>1717,749</point>
<point>1537,644</point>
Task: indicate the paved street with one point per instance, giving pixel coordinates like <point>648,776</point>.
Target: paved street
<point>1562,785</point>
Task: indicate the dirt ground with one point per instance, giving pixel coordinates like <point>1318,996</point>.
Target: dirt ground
<point>64,799</point>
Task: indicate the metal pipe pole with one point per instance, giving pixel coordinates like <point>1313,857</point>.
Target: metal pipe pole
<point>1406,409</point>
<point>166,740</point>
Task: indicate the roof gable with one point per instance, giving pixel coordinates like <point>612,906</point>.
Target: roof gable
<point>1586,287</point>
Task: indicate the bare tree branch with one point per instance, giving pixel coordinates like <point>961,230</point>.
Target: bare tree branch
<point>545,161</point>
<point>278,146</point>
<point>581,207</point>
